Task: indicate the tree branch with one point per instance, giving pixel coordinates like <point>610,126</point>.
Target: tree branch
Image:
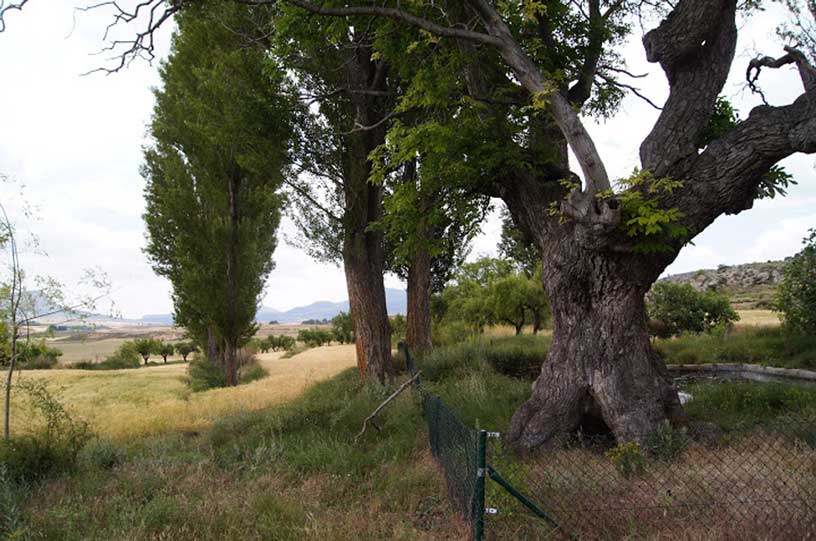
<point>695,46</point>
<point>806,71</point>
<point>18,6</point>
<point>391,13</point>
<point>727,174</point>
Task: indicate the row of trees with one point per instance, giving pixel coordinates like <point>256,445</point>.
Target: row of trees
<point>406,116</point>
<point>150,346</point>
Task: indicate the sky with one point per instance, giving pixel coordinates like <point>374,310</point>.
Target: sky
<point>72,145</point>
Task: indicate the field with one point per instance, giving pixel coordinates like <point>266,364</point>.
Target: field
<point>96,345</point>
<point>122,404</point>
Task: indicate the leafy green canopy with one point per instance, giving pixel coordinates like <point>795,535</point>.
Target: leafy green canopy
<point>490,291</point>
<point>675,309</point>
<point>221,149</point>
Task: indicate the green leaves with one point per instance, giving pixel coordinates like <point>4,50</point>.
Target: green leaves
<point>796,296</point>
<point>655,228</point>
<point>222,132</point>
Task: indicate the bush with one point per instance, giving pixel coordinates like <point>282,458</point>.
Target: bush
<point>123,358</point>
<point>48,449</point>
<point>449,333</point>
<point>514,356</point>
<point>771,346</point>
<point>343,328</point>
<point>252,372</point>
<point>37,356</point>
<point>398,328</point>
<point>518,357</point>
<point>677,308</point>
<point>203,374</point>
<point>186,348</point>
<point>103,454</point>
<point>796,296</point>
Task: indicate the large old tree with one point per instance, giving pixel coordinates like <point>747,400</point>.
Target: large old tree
<point>601,249</point>
<point>602,246</point>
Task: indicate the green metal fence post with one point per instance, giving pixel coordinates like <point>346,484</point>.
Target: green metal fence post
<point>479,496</point>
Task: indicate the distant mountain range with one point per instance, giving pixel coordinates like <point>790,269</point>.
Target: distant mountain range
<point>396,300</point>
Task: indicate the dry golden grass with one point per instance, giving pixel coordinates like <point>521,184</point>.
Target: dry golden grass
<point>121,404</point>
<point>758,318</point>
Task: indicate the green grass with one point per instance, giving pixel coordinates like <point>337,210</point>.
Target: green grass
<point>295,471</point>
<point>770,346</point>
<point>741,405</point>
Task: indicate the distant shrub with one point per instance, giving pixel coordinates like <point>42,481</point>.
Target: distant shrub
<point>314,337</point>
<point>252,372</point>
<point>757,345</point>
<point>398,328</point>
<point>520,357</point>
<point>343,328</point>
<point>203,374</point>
<point>677,308</point>
<point>514,356</point>
<point>185,349</point>
<point>451,332</point>
<point>103,454</point>
<point>37,356</point>
<point>50,448</point>
<point>124,357</point>
<point>147,347</point>
<point>796,296</point>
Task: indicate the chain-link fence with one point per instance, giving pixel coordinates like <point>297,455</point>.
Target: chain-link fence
<point>755,483</point>
<point>456,449</point>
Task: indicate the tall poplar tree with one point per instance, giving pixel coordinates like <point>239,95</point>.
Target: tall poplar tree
<point>221,149</point>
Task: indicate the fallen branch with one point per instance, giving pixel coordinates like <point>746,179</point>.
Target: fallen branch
<point>381,406</point>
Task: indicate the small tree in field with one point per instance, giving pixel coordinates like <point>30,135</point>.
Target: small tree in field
<point>677,308</point>
<point>796,297</point>
<point>343,328</point>
<point>185,348</point>
<point>165,350</point>
<point>147,347</point>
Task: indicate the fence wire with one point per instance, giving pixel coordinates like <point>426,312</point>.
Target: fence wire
<point>751,484</point>
<point>454,446</point>
<point>760,484</point>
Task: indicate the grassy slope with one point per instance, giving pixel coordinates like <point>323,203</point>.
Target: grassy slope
<point>294,471</point>
<point>121,404</point>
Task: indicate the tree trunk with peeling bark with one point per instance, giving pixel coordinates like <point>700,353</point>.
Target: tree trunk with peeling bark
<point>418,320</point>
<point>363,248</point>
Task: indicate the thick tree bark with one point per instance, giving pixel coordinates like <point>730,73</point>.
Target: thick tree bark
<point>418,321</point>
<point>363,248</point>
<point>601,366</point>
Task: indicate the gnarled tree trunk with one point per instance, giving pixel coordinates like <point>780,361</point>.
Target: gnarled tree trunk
<point>601,369</point>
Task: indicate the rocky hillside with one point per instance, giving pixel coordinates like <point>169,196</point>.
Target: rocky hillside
<point>749,286</point>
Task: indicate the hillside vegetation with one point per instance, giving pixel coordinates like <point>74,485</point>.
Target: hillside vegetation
<point>749,286</point>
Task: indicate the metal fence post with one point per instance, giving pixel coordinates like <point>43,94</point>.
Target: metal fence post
<point>479,496</point>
